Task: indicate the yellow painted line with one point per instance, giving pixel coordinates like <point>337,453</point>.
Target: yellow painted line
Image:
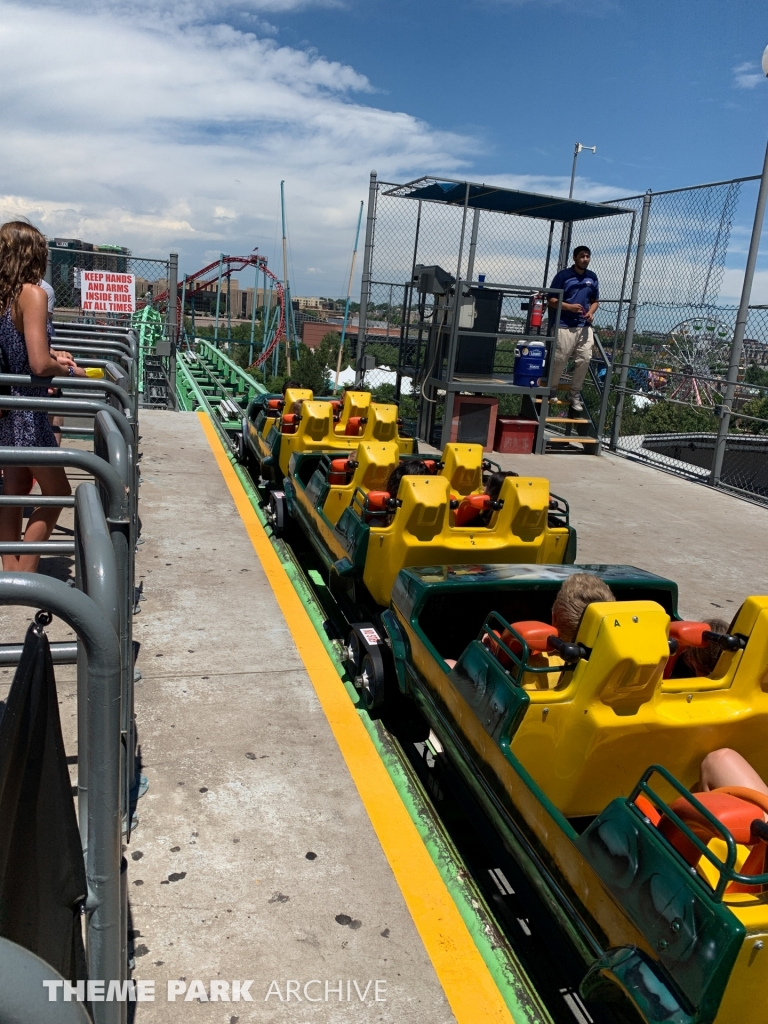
<point>466,980</point>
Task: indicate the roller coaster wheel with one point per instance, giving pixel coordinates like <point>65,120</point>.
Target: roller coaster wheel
<point>242,451</point>
<point>353,652</point>
<point>372,681</point>
<point>277,513</point>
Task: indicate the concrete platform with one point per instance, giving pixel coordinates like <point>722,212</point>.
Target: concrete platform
<point>254,857</point>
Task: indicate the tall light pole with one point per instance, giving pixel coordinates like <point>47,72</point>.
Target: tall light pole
<point>565,238</point>
<point>737,345</point>
<point>576,150</point>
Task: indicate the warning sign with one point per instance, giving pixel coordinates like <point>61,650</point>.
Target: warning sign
<point>102,291</point>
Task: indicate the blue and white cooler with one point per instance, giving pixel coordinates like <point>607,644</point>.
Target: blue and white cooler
<point>530,359</point>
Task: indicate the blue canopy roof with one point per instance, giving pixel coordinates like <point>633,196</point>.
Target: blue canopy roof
<point>503,200</point>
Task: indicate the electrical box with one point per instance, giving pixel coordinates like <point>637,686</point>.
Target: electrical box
<point>466,313</point>
<point>476,355</point>
<point>432,280</point>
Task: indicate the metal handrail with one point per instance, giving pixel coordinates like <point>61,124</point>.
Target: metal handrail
<point>40,547</point>
<point>110,446</point>
<point>23,380</point>
<point>96,576</point>
<point>107,476</point>
<point>78,341</point>
<point>23,995</point>
<point>126,335</point>
<point>93,628</point>
<point>73,406</point>
<point>62,653</point>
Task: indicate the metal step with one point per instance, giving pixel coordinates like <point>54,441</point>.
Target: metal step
<point>572,439</point>
<point>564,419</point>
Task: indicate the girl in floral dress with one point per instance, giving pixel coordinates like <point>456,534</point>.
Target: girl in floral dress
<point>25,344</point>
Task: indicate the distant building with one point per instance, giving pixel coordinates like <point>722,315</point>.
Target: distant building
<point>755,352</point>
<point>68,256</point>
<point>312,332</point>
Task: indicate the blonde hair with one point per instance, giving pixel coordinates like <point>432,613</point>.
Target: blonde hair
<point>572,599</point>
<point>23,259</point>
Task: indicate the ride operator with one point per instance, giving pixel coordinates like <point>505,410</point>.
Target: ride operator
<point>574,336</point>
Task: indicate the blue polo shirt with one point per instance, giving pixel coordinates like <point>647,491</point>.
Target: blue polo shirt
<point>581,288</point>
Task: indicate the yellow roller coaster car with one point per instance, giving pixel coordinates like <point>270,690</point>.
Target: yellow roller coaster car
<point>363,533</point>
<point>275,427</point>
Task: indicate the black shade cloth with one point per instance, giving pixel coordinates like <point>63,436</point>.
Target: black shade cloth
<point>42,875</point>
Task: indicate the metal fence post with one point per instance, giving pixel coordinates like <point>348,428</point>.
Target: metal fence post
<point>629,334</point>
<point>609,366</point>
<point>741,326</point>
<point>173,302</point>
<point>108,444</point>
<point>365,285</point>
<point>453,337</point>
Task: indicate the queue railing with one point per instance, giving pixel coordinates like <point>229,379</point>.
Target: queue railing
<point>99,695</point>
<point>115,440</point>
<point>26,981</point>
<point>104,545</point>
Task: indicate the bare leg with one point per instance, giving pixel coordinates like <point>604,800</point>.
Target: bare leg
<point>57,422</point>
<point>52,480</point>
<point>725,767</point>
<point>17,480</point>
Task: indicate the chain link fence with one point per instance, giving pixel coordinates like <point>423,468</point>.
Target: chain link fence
<point>682,333</point>
<point>66,266</point>
<point>508,249</point>
<point>681,347</point>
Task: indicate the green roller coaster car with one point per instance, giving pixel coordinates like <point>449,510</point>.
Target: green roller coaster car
<point>583,756</point>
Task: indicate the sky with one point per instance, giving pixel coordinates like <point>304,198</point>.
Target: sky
<point>169,125</point>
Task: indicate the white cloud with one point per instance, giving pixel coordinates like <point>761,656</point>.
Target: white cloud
<point>733,279</point>
<point>158,131</point>
<point>747,76</point>
<point>164,126</point>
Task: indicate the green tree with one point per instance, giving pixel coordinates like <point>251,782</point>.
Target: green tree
<point>755,375</point>
<point>667,418</point>
<point>756,407</point>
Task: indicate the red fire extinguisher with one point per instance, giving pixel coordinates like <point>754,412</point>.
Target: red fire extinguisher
<point>537,310</point>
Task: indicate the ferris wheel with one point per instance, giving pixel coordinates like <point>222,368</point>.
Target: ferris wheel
<point>696,354</point>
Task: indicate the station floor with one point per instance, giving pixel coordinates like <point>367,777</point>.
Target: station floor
<point>254,858</point>
<point>258,854</point>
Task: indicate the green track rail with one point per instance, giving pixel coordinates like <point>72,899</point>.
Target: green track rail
<point>208,379</point>
<point>207,382</point>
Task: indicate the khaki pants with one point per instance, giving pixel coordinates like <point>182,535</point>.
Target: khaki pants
<point>575,343</point>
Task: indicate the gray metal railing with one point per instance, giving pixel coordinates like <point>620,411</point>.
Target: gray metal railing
<point>96,634</point>
<point>100,610</point>
<point>118,336</point>
<point>24,993</point>
<point>86,384</point>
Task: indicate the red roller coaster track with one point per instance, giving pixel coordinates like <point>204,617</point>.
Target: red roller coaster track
<point>202,279</point>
